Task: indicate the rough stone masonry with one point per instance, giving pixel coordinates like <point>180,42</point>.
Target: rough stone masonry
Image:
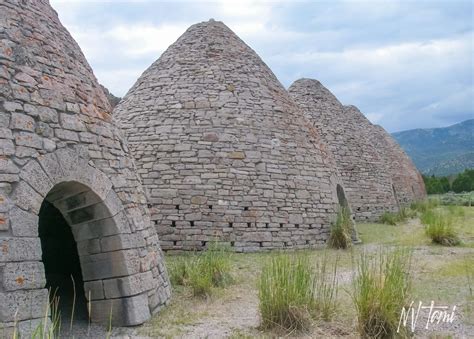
<point>377,174</point>
<point>59,144</point>
<point>223,151</point>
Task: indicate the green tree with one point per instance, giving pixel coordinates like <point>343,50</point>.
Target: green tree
<point>436,185</point>
<point>464,181</point>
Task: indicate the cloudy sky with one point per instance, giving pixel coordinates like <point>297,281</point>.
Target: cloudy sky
<point>405,64</point>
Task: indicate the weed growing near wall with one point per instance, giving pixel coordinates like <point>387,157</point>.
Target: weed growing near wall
<point>439,227</point>
<point>203,271</point>
<point>341,230</point>
<point>292,292</point>
<point>381,288</point>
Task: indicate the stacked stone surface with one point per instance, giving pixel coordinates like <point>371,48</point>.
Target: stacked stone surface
<point>58,143</point>
<point>223,151</point>
<point>380,157</point>
<point>363,171</point>
<point>407,181</point>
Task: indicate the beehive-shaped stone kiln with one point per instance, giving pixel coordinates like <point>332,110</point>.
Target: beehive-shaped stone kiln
<point>64,167</point>
<point>223,151</point>
<point>407,181</point>
<point>364,174</point>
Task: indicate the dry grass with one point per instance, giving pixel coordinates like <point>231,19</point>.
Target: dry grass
<point>440,273</point>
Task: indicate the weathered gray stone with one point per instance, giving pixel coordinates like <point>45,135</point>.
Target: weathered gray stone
<point>58,143</point>
<point>23,223</point>
<point>29,140</point>
<point>19,249</point>
<point>94,290</point>
<point>23,275</point>
<point>22,122</point>
<point>36,177</point>
<point>124,311</point>
<point>21,305</point>
<point>109,265</point>
<point>365,172</point>
<point>6,147</point>
<point>219,158</point>
<point>129,286</point>
<point>25,197</point>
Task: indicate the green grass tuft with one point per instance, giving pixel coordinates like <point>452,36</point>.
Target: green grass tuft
<point>203,271</point>
<point>341,230</point>
<point>439,227</point>
<point>424,205</point>
<point>292,292</point>
<point>380,290</point>
<point>394,218</point>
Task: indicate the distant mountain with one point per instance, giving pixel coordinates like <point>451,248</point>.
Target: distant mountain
<point>440,151</point>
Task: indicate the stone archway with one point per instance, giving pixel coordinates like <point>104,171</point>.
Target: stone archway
<point>124,276</point>
<point>93,228</point>
<point>61,265</point>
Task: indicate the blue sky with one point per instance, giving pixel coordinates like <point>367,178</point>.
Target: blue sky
<point>405,64</point>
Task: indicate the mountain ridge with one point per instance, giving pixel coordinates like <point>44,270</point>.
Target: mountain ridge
<point>440,151</point>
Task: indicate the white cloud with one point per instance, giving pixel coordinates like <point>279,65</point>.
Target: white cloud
<point>400,62</point>
<point>142,39</point>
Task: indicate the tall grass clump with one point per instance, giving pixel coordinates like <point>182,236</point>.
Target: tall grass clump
<point>341,230</point>
<point>292,292</point>
<point>325,285</point>
<point>201,272</point>
<point>402,215</point>
<point>439,227</point>
<point>381,288</point>
<point>424,205</point>
<point>388,218</point>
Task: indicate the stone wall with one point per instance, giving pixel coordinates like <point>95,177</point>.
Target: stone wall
<point>58,143</point>
<point>223,151</point>
<point>367,182</point>
<point>407,180</point>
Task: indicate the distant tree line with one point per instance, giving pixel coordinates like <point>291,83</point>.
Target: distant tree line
<point>463,182</point>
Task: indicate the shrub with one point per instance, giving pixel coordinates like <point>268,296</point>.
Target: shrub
<point>215,262</point>
<point>341,230</point>
<point>464,182</point>
<point>438,226</point>
<point>291,292</point>
<point>203,271</point>
<point>389,218</point>
<point>436,185</point>
<point>179,271</point>
<point>380,290</point>
<point>424,205</point>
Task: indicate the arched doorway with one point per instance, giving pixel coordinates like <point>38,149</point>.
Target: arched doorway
<point>118,257</point>
<point>61,264</point>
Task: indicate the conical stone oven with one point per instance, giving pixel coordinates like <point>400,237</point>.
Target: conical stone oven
<point>60,152</point>
<point>223,151</point>
<point>407,181</point>
<point>363,171</point>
